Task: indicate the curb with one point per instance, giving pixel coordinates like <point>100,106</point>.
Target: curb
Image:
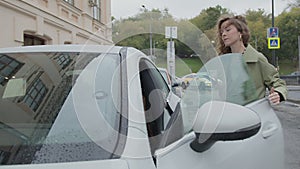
<point>293,88</point>
<point>294,101</point>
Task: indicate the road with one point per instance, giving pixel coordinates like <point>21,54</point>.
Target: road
<point>289,115</point>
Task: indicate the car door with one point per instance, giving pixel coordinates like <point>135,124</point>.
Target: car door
<point>225,126</point>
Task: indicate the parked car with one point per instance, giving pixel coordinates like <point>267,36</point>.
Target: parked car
<point>188,78</point>
<point>296,73</point>
<point>202,80</point>
<point>86,106</point>
<point>175,83</point>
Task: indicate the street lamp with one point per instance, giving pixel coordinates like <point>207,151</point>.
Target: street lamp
<point>273,51</point>
<point>150,34</point>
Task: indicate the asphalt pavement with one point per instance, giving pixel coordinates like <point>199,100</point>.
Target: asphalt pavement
<point>289,114</point>
<point>293,94</point>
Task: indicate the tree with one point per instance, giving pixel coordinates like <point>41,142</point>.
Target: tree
<point>208,18</point>
<point>289,30</point>
<point>258,22</point>
<point>295,4</point>
<point>135,32</point>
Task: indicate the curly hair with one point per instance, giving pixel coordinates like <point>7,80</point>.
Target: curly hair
<point>240,23</point>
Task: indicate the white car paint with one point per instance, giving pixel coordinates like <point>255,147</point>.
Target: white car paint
<point>262,150</point>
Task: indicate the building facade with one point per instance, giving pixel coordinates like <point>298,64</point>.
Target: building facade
<point>47,22</point>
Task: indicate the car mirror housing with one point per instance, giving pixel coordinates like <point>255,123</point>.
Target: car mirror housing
<point>223,121</point>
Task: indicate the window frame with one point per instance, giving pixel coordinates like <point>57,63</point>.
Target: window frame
<point>34,40</point>
<point>14,69</point>
<point>36,93</point>
<point>70,2</point>
<point>63,60</point>
<point>96,9</point>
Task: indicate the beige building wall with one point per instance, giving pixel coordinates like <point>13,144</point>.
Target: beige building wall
<point>55,21</point>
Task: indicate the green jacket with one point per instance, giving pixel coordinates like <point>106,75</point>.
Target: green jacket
<point>263,73</point>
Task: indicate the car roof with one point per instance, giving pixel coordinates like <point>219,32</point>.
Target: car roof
<point>64,48</point>
<point>189,75</point>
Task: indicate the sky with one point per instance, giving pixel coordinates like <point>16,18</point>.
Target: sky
<point>187,9</point>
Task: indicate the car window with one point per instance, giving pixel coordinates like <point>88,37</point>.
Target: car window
<point>229,81</point>
<point>165,75</point>
<point>161,121</point>
<point>46,115</point>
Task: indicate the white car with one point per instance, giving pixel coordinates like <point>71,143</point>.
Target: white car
<point>73,106</point>
<point>296,73</point>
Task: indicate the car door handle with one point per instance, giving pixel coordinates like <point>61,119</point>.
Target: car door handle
<point>166,150</point>
<point>269,129</point>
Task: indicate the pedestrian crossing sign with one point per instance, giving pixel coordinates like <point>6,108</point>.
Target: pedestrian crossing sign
<point>273,43</point>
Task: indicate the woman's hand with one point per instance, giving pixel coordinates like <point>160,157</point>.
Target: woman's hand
<point>274,97</point>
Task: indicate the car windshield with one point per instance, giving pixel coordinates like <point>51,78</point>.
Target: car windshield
<point>44,114</point>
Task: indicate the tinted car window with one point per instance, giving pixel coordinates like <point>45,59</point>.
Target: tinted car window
<point>230,82</point>
<point>164,125</point>
<point>46,115</point>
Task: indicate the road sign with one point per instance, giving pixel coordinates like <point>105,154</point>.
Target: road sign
<point>272,32</point>
<point>273,43</point>
<point>171,32</point>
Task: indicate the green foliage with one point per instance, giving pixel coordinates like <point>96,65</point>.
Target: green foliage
<point>258,23</point>
<point>209,17</point>
<point>183,65</point>
<point>193,63</point>
<point>289,30</point>
<point>287,66</point>
<point>134,31</point>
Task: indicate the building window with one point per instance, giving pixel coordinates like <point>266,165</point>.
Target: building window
<point>30,40</point>
<point>70,1</point>
<point>8,68</point>
<point>63,60</point>
<point>97,9</point>
<point>35,95</point>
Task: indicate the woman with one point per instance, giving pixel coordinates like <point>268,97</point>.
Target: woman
<point>233,37</point>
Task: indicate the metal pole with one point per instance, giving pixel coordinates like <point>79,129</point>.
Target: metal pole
<point>272,13</point>
<point>273,51</point>
<point>150,29</point>
<point>299,51</point>
<point>150,37</point>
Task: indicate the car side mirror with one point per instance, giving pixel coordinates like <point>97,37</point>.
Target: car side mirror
<point>223,121</point>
